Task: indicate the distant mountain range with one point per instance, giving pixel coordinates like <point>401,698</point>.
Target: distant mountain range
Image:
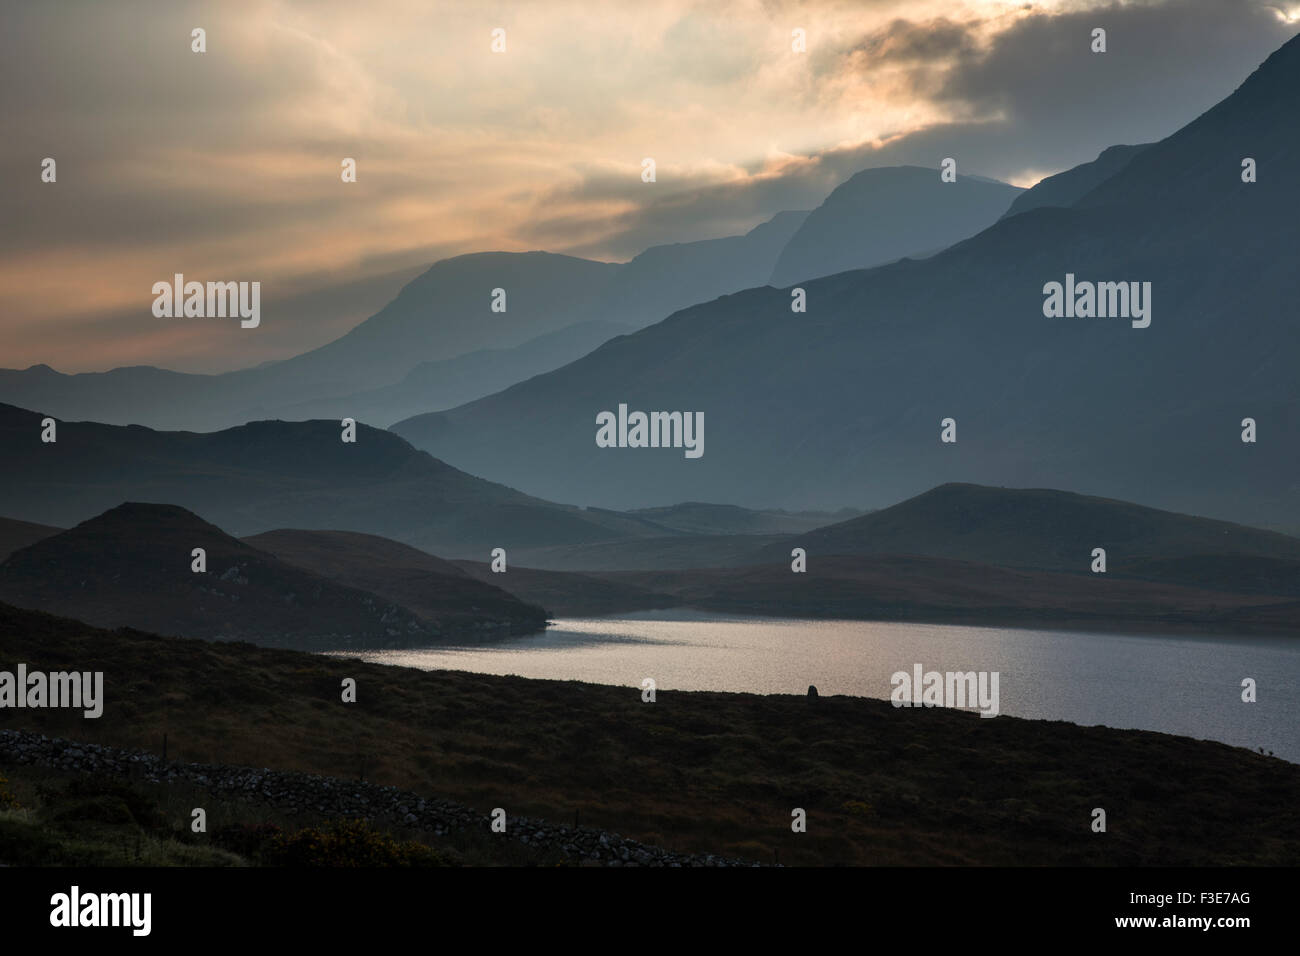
<point>880,215</point>
<point>266,476</point>
<point>269,475</point>
<point>454,381</point>
<point>958,553</point>
<point>844,404</point>
<point>439,344</point>
<point>974,555</point>
<point>1041,529</point>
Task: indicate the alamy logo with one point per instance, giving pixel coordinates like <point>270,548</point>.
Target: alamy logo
<point>948,689</point>
<point>134,910</point>
<point>653,430</point>
<point>1102,300</point>
<point>57,689</point>
<point>216,300</point>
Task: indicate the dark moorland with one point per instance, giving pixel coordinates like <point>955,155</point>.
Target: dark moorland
<point>697,772</point>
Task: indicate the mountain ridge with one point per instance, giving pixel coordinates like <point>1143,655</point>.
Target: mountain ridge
<point>843,405</point>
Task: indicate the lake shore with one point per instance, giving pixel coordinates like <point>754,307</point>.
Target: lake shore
<point>694,772</point>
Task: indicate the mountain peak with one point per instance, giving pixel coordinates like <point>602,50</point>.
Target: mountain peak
<point>133,566</point>
<point>886,213</point>
<point>133,511</point>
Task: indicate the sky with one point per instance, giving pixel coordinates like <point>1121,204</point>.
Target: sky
<point>225,165</point>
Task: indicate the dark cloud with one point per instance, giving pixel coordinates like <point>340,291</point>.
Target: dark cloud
<point>905,41</point>
<point>1164,65</point>
<point>1036,100</point>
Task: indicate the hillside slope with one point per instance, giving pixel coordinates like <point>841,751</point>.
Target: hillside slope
<point>843,405</point>
<point>436,590</point>
<point>883,214</point>
<point>132,567</point>
<point>273,474</point>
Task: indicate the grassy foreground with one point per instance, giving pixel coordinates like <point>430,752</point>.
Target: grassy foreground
<point>695,772</point>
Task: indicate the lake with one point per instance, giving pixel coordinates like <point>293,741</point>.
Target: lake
<point>1179,684</point>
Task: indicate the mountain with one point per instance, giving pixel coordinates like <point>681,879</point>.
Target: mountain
<point>404,359</point>
<point>880,215</point>
<point>454,381</point>
<point>131,567</point>
<point>673,276</point>
<point>438,344</point>
<point>1067,188</point>
<point>843,405</point>
<point>137,393</point>
<point>268,475</point>
<point>15,535</point>
<point>448,311</point>
<point>994,556</point>
<point>441,314</point>
<point>1043,529</point>
<point>437,591</point>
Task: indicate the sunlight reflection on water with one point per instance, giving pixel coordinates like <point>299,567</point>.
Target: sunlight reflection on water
<point>1180,684</point>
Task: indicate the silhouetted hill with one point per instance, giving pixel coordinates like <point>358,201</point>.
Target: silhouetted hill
<point>136,393</point>
<point>956,554</point>
<point>132,567</point>
<point>880,215</point>
<point>844,404</point>
<point>1043,529</point>
<point>15,534</point>
<point>436,590</point>
<point>268,475</point>
<point>1067,188</point>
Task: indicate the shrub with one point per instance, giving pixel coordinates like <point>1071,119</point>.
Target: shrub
<point>101,800</point>
<point>246,839</point>
<point>347,843</point>
<point>102,809</point>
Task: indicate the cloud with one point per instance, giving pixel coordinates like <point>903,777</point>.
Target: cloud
<point>225,165</point>
<point>905,41</point>
<point>1016,97</point>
